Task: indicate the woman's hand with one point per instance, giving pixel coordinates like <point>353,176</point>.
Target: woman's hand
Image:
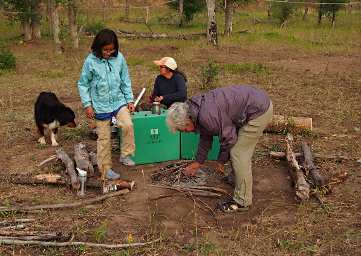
<point>220,167</point>
<point>89,112</point>
<point>191,169</point>
<point>131,107</point>
<point>158,98</point>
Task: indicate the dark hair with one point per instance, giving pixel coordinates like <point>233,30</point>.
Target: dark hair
<point>105,37</point>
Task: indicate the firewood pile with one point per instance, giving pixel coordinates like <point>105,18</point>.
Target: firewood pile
<point>304,174</point>
<point>172,174</point>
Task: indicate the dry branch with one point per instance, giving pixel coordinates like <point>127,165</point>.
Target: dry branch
<point>69,165</point>
<point>64,244</point>
<point>310,167</point>
<point>51,158</point>
<point>282,155</point>
<point>194,192</point>
<point>301,186</point>
<point>32,235</point>
<point>64,205</point>
<point>82,159</point>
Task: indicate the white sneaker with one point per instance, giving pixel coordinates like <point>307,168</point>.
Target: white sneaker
<point>126,161</point>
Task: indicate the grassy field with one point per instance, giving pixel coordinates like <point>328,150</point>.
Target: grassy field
<point>308,70</point>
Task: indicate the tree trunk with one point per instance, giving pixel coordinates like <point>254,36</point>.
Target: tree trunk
<point>333,18</point>
<point>181,13</point>
<point>50,7</point>
<point>72,11</point>
<point>104,5</point>
<point>55,26</point>
<point>228,15</point>
<point>305,12</point>
<point>212,24</point>
<point>35,21</point>
<point>27,29</point>
<point>319,17</point>
<point>127,9</point>
<point>82,159</point>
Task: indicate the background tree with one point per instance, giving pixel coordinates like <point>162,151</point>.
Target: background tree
<point>282,11</point>
<point>329,10</point>
<point>28,13</point>
<point>72,14</point>
<point>212,23</point>
<point>229,6</point>
<point>190,8</point>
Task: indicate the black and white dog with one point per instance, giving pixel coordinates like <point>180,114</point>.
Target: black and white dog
<point>50,114</point>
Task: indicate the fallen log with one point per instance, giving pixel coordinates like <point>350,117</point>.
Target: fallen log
<point>32,235</point>
<point>64,205</point>
<point>70,170</point>
<point>82,159</point>
<point>74,243</point>
<point>129,34</point>
<point>310,167</point>
<point>289,123</point>
<point>302,188</point>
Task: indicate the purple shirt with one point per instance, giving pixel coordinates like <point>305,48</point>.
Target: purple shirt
<point>222,112</point>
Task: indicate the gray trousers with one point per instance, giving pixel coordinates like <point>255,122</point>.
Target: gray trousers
<point>241,156</point>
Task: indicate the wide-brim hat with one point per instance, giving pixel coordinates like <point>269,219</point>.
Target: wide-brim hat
<point>169,62</point>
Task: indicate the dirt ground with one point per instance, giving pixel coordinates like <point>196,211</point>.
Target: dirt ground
<point>321,85</point>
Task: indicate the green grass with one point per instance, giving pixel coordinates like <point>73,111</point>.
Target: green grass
<point>242,68</point>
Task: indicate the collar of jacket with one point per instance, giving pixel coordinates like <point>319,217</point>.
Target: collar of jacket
<point>195,104</point>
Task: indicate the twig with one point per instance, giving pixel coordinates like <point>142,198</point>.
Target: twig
<point>53,157</point>
<point>64,244</point>
<point>214,189</point>
<point>65,205</point>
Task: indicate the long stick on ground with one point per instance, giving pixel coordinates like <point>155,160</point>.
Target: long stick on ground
<point>195,192</point>
<point>64,244</point>
<point>65,205</point>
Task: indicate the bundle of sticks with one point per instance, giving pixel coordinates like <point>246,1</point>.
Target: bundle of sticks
<point>305,176</point>
<point>173,174</point>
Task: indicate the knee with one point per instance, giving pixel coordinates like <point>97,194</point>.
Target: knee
<point>127,126</point>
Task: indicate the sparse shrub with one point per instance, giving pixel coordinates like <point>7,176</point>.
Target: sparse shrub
<point>7,60</point>
<point>100,233</point>
<point>94,27</point>
<point>281,11</point>
<point>209,74</point>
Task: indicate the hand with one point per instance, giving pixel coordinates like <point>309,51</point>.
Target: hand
<point>158,98</point>
<point>220,167</point>
<point>191,169</point>
<point>131,107</point>
<point>89,112</point>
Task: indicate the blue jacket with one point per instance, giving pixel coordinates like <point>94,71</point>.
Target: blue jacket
<point>105,84</point>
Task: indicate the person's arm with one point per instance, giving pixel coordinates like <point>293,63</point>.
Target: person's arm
<point>155,89</point>
<point>227,138</point>
<point>125,85</point>
<point>180,94</point>
<point>205,143</point>
<point>84,84</point>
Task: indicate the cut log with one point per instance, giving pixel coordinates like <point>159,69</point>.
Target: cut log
<point>82,159</point>
<point>70,170</point>
<point>302,188</point>
<point>285,123</point>
<point>310,167</point>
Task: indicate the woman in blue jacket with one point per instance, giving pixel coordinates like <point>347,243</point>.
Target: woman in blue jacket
<point>105,91</point>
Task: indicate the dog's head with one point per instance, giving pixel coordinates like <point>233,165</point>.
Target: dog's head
<point>66,117</point>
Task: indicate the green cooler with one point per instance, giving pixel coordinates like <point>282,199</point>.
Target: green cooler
<point>154,142</point>
<point>189,146</point>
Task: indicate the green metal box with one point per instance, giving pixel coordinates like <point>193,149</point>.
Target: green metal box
<point>154,142</point>
<point>189,146</point>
